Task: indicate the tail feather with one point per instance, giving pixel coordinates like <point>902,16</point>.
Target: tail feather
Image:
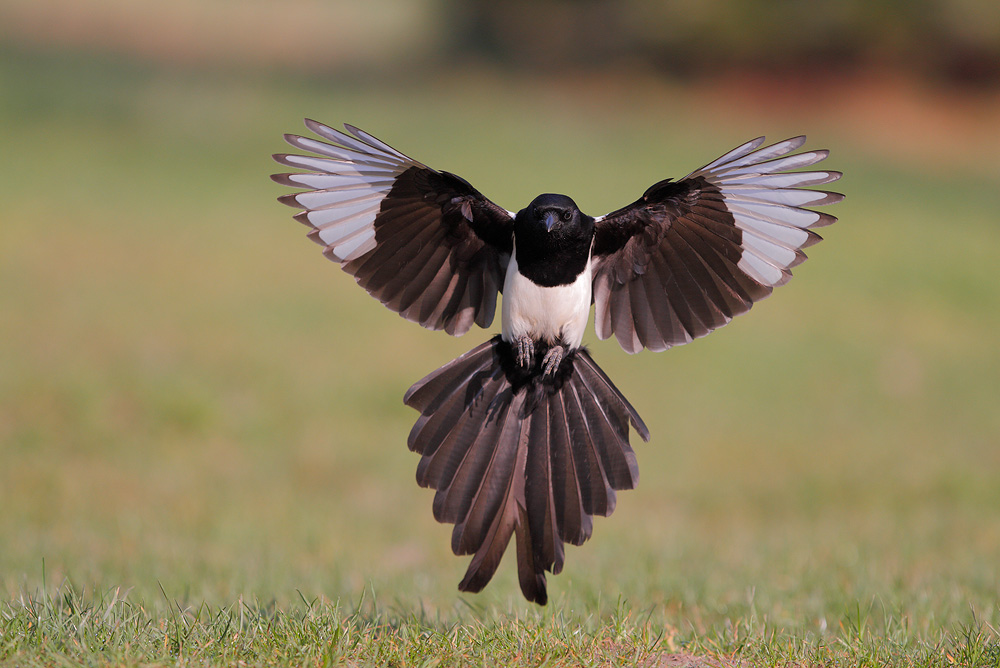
<point>487,558</point>
<point>425,394</point>
<point>515,453</point>
<point>430,430</point>
<point>443,399</point>
<point>617,459</point>
<point>610,394</point>
<point>495,482</point>
<point>443,457</point>
<point>599,497</point>
<point>463,471</point>
<point>530,573</point>
<point>575,523</point>
<point>542,515</point>
<point>508,518</point>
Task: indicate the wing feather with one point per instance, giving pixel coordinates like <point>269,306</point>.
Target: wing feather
<point>689,255</point>
<point>381,215</point>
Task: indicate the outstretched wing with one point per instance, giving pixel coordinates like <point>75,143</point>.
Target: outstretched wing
<point>425,243</point>
<point>689,255</point>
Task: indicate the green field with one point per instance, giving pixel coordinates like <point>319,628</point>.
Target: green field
<point>202,437</point>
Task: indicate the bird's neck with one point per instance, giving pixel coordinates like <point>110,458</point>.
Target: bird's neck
<point>549,260</point>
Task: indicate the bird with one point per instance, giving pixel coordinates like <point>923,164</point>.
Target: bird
<point>525,436</point>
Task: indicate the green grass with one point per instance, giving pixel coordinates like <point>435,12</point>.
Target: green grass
<point>204,462</point>
<point>72,628</point>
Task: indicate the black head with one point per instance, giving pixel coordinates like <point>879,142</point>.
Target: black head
<point>554,214</point>
<point>552,237</point>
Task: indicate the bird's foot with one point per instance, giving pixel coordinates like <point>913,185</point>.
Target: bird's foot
<point>552,360</point>
<point>525,352</point>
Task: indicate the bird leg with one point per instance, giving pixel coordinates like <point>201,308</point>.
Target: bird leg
<point>552,360</point>
<point>525,352</point>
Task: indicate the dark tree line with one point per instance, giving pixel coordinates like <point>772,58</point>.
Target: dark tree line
<point>952,39</point>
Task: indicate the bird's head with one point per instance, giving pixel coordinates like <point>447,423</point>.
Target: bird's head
<point>555,214</point>
<point>553,239</point>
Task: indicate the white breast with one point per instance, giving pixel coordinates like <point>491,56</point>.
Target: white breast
<point>556,315</point>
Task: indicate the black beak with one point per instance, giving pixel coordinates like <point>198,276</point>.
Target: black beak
<point>551,218</point>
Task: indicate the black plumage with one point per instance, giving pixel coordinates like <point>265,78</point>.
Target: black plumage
<point>525,436</point>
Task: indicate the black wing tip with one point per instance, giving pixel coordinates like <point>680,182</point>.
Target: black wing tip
<point>324,130</point>
<point>284,159</point>
<point>825,220</point>
<point>831,198</point>
<point>289,200</point>
<point>314,125</point>
<point>303,217</point>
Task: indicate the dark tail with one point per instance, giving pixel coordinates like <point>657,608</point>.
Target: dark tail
<point>512,452</point>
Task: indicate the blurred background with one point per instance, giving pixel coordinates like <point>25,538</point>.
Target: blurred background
<point>192,397</point>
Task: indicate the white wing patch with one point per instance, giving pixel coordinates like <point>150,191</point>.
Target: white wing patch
<point>766,203</point>
<point>347,181</point>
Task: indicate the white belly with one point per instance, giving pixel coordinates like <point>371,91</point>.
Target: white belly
<point>555,315</point>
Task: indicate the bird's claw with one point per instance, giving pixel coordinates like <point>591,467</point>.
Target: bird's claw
<point>525,352</point>
<point>552,360</point>
<point>525,347</point>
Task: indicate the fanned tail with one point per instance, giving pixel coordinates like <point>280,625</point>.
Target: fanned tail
<point>516,453</point>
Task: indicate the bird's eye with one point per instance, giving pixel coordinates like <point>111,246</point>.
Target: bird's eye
<point>566,215</point>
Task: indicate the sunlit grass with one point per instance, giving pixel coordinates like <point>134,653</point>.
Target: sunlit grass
<point>114,628</point>
<point>200,413</point>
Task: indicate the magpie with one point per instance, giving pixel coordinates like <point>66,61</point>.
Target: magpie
<point>525,436</point>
